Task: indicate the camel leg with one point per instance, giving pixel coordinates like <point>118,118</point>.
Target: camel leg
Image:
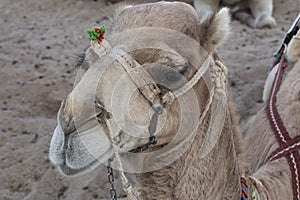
<point>245,17</point>
<point>262,12</point>
<point>206,8</point>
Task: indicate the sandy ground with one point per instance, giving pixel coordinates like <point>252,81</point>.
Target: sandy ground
<point>39,41</point>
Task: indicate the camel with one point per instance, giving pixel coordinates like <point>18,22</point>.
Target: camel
<point>156,81</point>
<point>80,143</point>
<point>275,177</point>
<point>259,17</point>
<point>261,11</point>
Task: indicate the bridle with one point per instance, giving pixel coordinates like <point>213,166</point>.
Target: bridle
<point>214,77</point>
<point>288,147</point>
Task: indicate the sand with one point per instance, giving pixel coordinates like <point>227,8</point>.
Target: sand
<point>39,44</point>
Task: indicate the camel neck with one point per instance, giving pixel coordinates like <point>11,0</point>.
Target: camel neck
<point>190,177</point>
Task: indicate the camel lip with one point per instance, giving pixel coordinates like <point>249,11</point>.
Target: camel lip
<point>79,151</point>
<point>85,148</point>
<point>67,170</point>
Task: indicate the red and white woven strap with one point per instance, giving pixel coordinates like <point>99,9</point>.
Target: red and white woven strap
<point>288,147</point>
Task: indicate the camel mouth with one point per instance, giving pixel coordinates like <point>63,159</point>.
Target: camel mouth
<point>77,153</point>
<point>68,171</point>
<point>79,145</point>
<point>80,151</point>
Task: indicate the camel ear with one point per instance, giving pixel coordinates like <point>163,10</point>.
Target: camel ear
<point>217,29</point>
<point>120,7</point>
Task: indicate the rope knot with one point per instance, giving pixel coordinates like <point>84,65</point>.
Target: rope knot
<point>168,98</point>
<point>218,75</point>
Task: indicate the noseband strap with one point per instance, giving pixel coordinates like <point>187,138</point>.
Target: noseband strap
<point>141,78</point>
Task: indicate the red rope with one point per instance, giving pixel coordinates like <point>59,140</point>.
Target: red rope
<point>288,147</point>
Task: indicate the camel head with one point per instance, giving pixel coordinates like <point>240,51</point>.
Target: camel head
<point>149,61</point>
<point>292,55</point>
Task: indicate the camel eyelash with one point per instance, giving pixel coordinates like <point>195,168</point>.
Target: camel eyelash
<point>79,60</point>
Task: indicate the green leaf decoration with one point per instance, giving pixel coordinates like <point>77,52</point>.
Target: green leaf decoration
<point>93,34</point>
<point>103,29</point>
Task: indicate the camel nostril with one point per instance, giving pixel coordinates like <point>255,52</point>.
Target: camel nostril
<point>56,152</point>
<point>103,114</point>
<point>101,117</point>
<point>108,115</point>
<point>65,120</point>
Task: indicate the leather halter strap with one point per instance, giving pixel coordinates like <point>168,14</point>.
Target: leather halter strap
<point>137,73</point>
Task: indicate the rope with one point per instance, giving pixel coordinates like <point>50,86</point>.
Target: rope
<point>220,79</point>
<point>208,105</point>
<point>130,191</point>
<point>218,105</point>
<point>244,189</point>
<point>254,182</point>
<point>191,83</point>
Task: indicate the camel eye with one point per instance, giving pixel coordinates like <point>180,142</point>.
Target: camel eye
<point>86,59</point>
<point>166,76</point>
<point>172,76</point>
